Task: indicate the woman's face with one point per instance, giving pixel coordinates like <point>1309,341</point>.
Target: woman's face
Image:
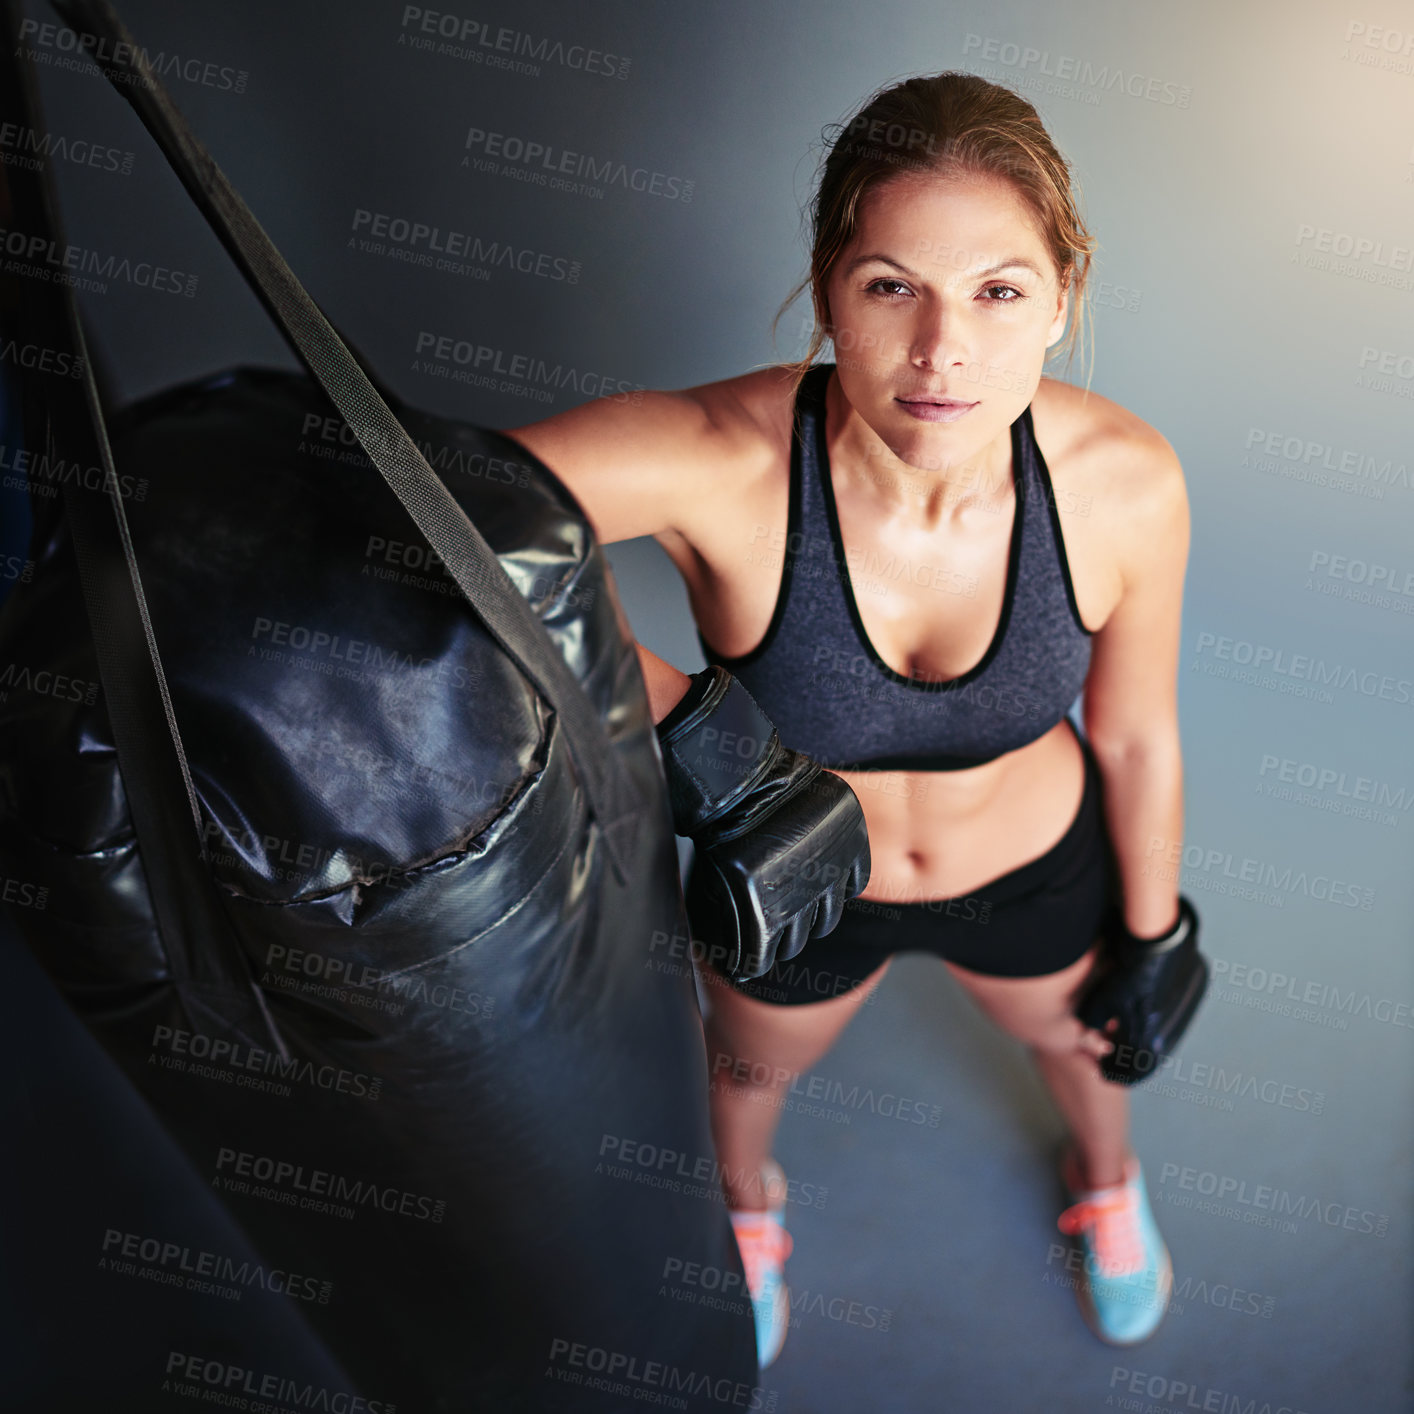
<point>947,291</point>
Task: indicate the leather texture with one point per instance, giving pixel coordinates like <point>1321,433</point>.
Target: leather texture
<point>782,844</point>
<point>492,1132</point>
<point>1151,988</point>
<point>765,894</point>
<point>716,743</point>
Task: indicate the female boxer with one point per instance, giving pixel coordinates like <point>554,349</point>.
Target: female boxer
<point>915,558</point>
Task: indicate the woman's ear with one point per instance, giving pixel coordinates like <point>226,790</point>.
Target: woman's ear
<point>1062,310</point>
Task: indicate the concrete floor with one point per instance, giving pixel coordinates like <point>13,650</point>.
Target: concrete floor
<point>951,1230</point>
<point>927,1274</point>
<point>1278,1148</point>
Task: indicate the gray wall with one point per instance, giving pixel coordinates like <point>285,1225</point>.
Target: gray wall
<point>1255,302</point>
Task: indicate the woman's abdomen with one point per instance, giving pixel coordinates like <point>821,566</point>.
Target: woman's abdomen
<point>941,834</point>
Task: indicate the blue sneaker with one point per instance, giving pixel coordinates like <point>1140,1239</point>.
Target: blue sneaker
<point>1127,1274</point>
<point>765,1244</point>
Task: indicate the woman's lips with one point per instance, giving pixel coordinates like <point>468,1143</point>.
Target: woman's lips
<point>940,410</point>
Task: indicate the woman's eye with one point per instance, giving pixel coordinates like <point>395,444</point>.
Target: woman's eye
<point>899,288</point>
<point>1014,294</point>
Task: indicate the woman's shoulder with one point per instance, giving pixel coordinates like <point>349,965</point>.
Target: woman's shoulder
<point>651,462</point>
<point>756,406</point>
<point>1103,456</point>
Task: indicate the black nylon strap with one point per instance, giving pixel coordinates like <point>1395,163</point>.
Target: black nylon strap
<point>614,800</point>
<point>63,421</point>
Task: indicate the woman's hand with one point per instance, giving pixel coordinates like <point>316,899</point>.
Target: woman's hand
<point>1091,1042</point>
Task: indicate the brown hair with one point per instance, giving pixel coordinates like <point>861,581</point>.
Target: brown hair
<point>952,123</point>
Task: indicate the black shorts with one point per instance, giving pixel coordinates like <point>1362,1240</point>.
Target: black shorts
<point>1038,919</point>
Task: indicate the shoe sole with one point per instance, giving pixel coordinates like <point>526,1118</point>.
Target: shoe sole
<point>783,1291</point>
<point>1087,1307</point>
<point>782,1324</point>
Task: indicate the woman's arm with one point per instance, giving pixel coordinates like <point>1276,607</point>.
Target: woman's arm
<point>663,467</point>
<point>649,466</point>
<point>643,468</point>
<point>1131,693</point>
<point>666,684</point>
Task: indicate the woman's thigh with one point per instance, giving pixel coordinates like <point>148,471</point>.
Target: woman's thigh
<point>1038,1011</point>
<point>786,1039</point>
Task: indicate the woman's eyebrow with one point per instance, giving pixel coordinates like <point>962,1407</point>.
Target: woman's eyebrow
<point>1012,262</point>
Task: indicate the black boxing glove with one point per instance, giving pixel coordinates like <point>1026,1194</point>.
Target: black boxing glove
<point>781,842</point>
<point>1151,986</point>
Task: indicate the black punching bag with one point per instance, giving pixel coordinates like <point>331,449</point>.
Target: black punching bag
<point>355,921</point>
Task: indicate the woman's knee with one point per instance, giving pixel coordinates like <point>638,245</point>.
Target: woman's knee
<point>1051,1029</point>
<point>1037,1011</point>
<point>733,1072</point>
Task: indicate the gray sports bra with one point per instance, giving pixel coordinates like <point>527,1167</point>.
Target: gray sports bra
<point>830,695</point>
